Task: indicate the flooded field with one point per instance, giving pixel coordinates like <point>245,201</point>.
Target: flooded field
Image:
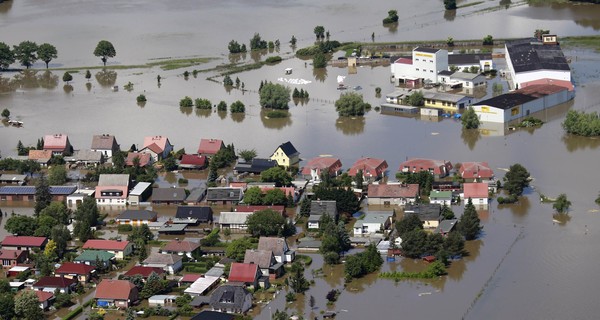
<point>524,266</point>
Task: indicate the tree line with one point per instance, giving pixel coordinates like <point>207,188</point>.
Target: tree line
<point>256,43</point>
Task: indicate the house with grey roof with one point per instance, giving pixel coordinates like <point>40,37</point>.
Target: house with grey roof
<point>140,193</point>
<point>224,195</point>
<point>373,222</point>
<point>430,214</point>
<point>446,226</point>
<point>168,195</point>
<point>279,247</point>
<point>106,144</point>
<point>136,217</point>
<point>18,179</point>
<point>86,157</point>
<point>319,208</point>
<point>171,263</point>
<point>231,299</point>
<point>265,261</point>
<point>196,195</point>
<point>234,220</point>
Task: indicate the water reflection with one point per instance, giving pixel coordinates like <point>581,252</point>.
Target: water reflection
<point>238,117</point>
<point>186,110</point>
<point>470,137</point>
<point>88,86</point>
<point>359,285</point>
<point>449,15</point>
<point>68,88</point>
<point>27,79</point>
<point>5,6</point>
<point>392,27</point>
<point>574,143</point>
<point>106,78</point>
<point>140,104</point>
<point>519,209</point>
<point>256,55</point>
<point>203,113</point>
<point>48,80</point>
<point>320,74</point>
<point>222,114</point>
<point>561,218</point>
<point>8,85</point>
<point>274,123</point>
<point>505,3</point>
<point>350,126</point>
<point>333,275</point>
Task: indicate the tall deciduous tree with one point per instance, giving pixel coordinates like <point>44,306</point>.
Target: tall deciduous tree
<point>7,57</point>
<point>253,196</point>
<point>236,249</point>
<point>67,77</point>
<point>21,225</point>
<point>104,50</point>
<point>277,175</point>
<point>469,224</point>
<point>27,306</point>
<point>350,104</point>
<point>408,223</point>
<point>57,175</point>
<point>26,53</point>
<point>46,52</point>
<point>267,223</point>
<point>516,179</point>
<point>61,236</point>
<point>469,119</point>
<point>319,60</point>
<point>319,32</point>
<point>274,96</point>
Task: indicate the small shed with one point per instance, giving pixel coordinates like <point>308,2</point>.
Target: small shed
<point>162,299</point>
<point>288,70</point>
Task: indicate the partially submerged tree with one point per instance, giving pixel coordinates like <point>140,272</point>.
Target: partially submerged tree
<point>469,119</point>
<point>104,50</point>
<point>26,53</point>
<point>46,52</point>
<point>562,204</point>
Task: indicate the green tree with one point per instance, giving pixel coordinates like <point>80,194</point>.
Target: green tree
<point>319,32</point>
<point>88,212</point>
<point>247,154</point>
<point>414,243</point>
<point>447,213</point>
<point>275,197</point>
<point>170,164</point>
<point>82,230</point>
<point>234,47</point>
<point>345,199</point>
<point>57,175</point>
<point>416,99</point>
<point>43,198</point>
<point>237,107</point>
<point>202,103</point>
<point>141,233</point>
<point>154,285</point>
<point>88,75</point>
<point>469,225</point>
<point>296,280</point>
<point>186,102</point>
<point>274,96</point>
<point>7,305</point>
<point>256,43</point>
<point>450,4</point>
<point>7,57</point>
<point>61,236</point>
<point>454,244</point>
<point>469,119</point>
<point>21,225</point>
<point>450,42</point>
<point>277,175</point>
<point>293,41</point>
<point>236,249</point>
<point>391,18</point>
<point>253,196</point>
<point>350,104</point>
<point>305,207</point>
<point>408,223</point>
<point>516,179</point>
<point>319,60</point>
<point>25,53</point>
<point>488,40</point>
<point>562,204</point>
<point>46,52</point>
<point>27,306</point>
<point>44,226</point>
<point>582,124</point>
<point>598,200</point>
<point>104,50</point>
<point>222,106</point>
<point>227,81</point>
<point>266,223</point>
<point>6,115</point>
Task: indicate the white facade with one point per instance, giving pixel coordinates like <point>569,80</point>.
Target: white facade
<point>523,77</point>
<point>426,63</point>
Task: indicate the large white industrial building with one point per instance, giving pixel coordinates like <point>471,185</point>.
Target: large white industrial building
<point>424,65</point>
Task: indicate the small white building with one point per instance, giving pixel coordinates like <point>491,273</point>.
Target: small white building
<point>483,61</point>
<point>440,197</point>
<point>161,300</point>
<point>373,222</point>
<point>138,193</point>
<point>234,220</point>
<point>462,79</point>
<point>425,64</point>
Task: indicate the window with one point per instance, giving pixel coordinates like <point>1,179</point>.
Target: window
<point>431,61</point>
<point>417,69</point>
<point>431,71</point>
<point>514,111</point>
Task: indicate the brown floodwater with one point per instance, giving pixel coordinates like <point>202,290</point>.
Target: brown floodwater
<point>528,263</point>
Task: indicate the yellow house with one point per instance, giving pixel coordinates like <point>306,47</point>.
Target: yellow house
<point>286,155</point>
<point>447,101</point>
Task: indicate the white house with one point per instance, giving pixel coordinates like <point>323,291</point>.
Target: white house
<point>462,79</point>
<point>477,192</point>
<point>425,64</point>
<point>106,144</point>
<point>112,189</point>
<point>441,197</point>
<point>233,220</point>
<point>483,61</point>
<point>373,222</point>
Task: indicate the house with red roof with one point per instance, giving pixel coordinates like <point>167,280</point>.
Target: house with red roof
<point>11,258</point>
<point>24,243</point>
<point>158,146</point>
<point>247,273</point>
<point>438,168</point>
<point>181,248</point>
<point>477,192</point>
<point>392,194</point>
<point>476,172</point>
<point>51,284</point>
<point>372,168</point>
<point>143,159</point>
<point>45,299</point>
<point>116,293</point>
<point>79,271</point>
<point>40,156</point>
<point>145,272</point>
<point>119,248</point>
<point>58,143</point>
<point>192,161</point>
<point>319,166</point>
<point>210,147</point>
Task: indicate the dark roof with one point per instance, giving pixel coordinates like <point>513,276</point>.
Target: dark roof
<point>144,271</point>
<point>54,282</point>
<point>137,215</point>
<point>445,73</point>
<point>288,148</point>
<point>263,258</point>
<point>104,142</point>
<point>530,54</point>
<point>207,314</point>
<point>319,207</point>
<point>257,165</point>
<point>228,297</point>
<point>506,101</point>
<point>193,212</point>
<point>468,58</point>
<point>224,194</point>
<point>427,49</point>
<point>168,194</point>
<point>424,211</point>
<point>30,190</point>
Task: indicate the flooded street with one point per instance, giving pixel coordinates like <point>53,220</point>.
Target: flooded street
<point>525,266</point>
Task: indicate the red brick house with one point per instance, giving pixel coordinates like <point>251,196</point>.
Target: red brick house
<point>24,242</point>
<point>79,271</point>
<point>120,249</point>
<point>116,293</point>
<point>11,258</point>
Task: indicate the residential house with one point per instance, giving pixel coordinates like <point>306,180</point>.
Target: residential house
<point>45,299</point>
<point>140,193</point>
<point>201,214</point>
<point>233,220</point>
<point>78,271</point>
<point>139,159</point>
<point>372,168</point>
<point>468,80</point>
<point>106,144</point>
<point>181,248</point>
<point>286,155</point>
<point>196,195</point>
<point>231,299</point>
<point>58,143</point>
<point>145,272</point>
<point>210,147</point>
<point>446,226</point>
<point>86,158</point>
<point>8,178</point>
<point>40,156</point>
<point>168,195</point>
<point>254,166</point>
<point>171,263</point>
<point>246,273</point>
<point>27,193</point>
<point>265,261</point>
<point>158,146</point>
<point>248,208</point>
<point>429,214</point>
<point>373,222</point>
<point>453,186</point>
<point>77,197</point>
<point>136,217</point>
<point>189,278</point>
<point>16,270</point>
<point>24,243</point>
<point>213,315</point>
<point>172,228</point>
<point>11,258</point>
<point>319,208</point>
<point>438,168</point>
<point>112,189</point>
<point>51,284</point>
<point>441,197</point>
<point>392,194</point>
<point>120,249</point>
<point>97,258</point>
<point>476,172</point>
<point>224,195</point>
<point>279,247</point>
<point>116,294</point>
<point>483,61</point>
<point>477,192</point>
<point>318,166</point>
<point>192,161</point>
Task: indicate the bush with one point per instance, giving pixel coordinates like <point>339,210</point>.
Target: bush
<point>277,114</point>
<point>273,59</point>
<point>182,181</point>
<point>186,102</point>
<point>125,228</point>
<point>74,313</point>
<point>203,104</point>
<point>141,98</point>
<point>237,107</point>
